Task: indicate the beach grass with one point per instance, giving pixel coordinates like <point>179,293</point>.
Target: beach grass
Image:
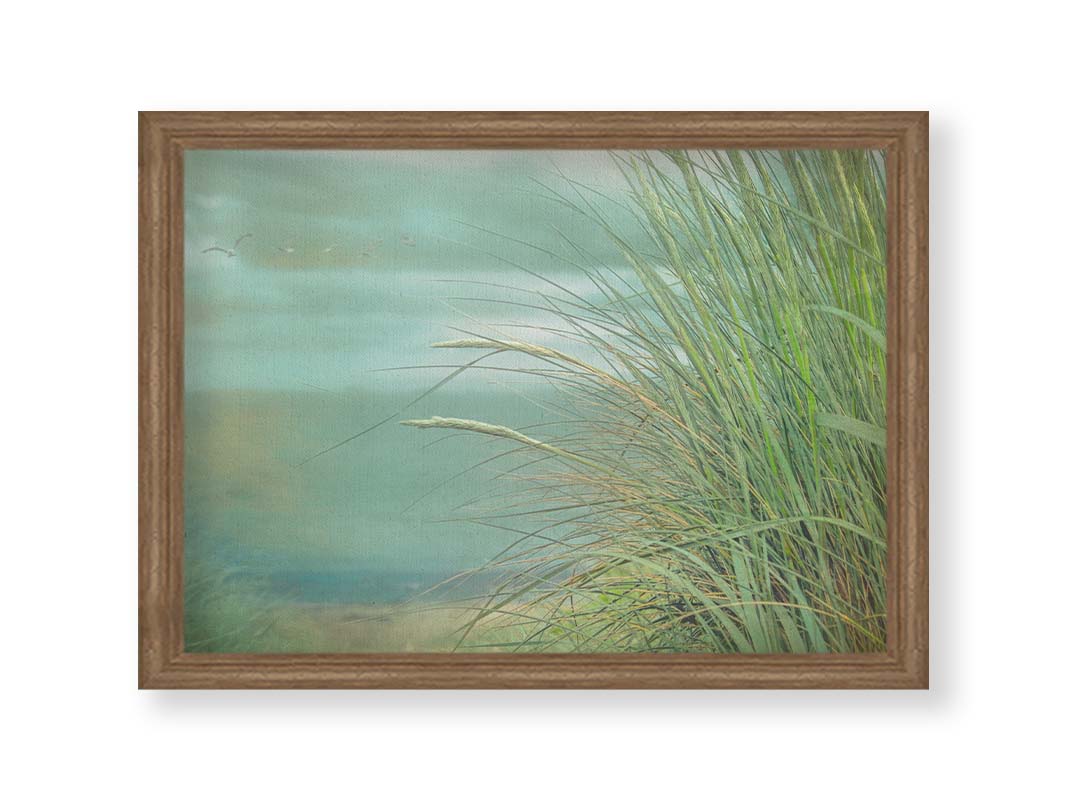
<point>720,483</point>
<point>225,611</point>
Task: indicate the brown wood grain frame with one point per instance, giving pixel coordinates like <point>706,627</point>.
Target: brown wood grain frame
<point>164,136</point>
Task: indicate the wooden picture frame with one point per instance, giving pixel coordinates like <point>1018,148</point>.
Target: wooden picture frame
<point>163,138</point>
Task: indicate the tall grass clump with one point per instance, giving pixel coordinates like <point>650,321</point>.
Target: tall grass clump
<point>720,485</point>
<point>225,611</point>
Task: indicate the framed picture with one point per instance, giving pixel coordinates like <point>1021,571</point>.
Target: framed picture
<point>533,400</point>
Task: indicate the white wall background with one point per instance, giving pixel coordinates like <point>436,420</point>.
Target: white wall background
<point>74,75</point>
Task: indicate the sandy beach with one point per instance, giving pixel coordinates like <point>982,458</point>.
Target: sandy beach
<point>351,628</point>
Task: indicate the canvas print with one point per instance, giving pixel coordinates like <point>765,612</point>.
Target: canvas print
<point>535,401</point>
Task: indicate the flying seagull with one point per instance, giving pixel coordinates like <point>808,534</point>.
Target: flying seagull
<point>367,251</point>
<point>233,250</point>
<point>285,249</point>
<point>407,240</point>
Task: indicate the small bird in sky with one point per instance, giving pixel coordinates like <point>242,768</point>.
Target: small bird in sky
<point>407,240</point>
<point>328,249</point>
<point>367,251</point>
<point>233,250</point>
<point>285,249</point>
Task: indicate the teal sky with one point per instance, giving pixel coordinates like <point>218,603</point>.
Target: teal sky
<point>344,272</point>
